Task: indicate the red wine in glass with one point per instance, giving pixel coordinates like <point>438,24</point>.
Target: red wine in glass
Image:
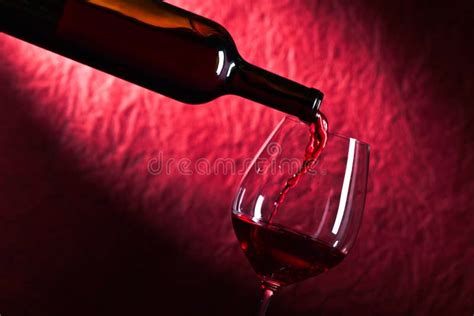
<point>278,255</point>
<point>318,230</point>
<point>281,256</point>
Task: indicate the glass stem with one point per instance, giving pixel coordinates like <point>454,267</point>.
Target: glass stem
<point>268,290</point>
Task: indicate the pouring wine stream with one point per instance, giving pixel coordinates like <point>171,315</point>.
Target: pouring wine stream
<point>318,132</point>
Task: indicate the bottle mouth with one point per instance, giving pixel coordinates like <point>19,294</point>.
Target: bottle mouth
<point>311,110</point>
<point>318,99</point>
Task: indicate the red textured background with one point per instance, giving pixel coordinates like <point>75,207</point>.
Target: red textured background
<point>86,230</point>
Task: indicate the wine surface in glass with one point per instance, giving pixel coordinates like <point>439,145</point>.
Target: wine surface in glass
<point>280,256</point>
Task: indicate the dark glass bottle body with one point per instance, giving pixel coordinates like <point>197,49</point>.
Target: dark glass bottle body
<point>156,45</point>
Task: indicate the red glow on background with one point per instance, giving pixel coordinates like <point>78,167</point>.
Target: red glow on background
<point>86,229</point>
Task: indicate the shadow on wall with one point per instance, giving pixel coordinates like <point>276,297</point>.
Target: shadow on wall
<point>69,248</point>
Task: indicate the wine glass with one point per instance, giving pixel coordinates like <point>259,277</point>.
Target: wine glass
<point>317,222</point>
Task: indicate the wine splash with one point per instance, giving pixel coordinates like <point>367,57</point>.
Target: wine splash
<point>318,131</point>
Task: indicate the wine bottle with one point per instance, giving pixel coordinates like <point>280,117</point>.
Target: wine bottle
<point>156,45</point>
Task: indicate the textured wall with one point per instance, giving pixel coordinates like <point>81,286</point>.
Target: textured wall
<point>85,229</point>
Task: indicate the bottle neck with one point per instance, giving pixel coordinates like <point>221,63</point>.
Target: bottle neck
<point>259,85</point>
